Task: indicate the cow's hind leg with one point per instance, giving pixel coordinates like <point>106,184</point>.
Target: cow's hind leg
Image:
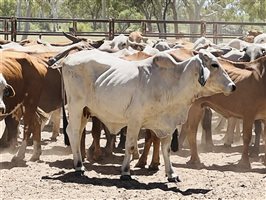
<point>131,146</point>
<point>77,122</point>
<point>20,155</point>
<point>155,162</point>
<point>143,158</point>
<point>166,150</point>
<point>36,140</point>
<point>95,148</point>
<point>55,118</point>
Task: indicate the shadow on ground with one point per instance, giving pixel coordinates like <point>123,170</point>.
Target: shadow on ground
<point>73,177</point>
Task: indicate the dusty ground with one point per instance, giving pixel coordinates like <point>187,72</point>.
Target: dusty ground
<point>53,177</point>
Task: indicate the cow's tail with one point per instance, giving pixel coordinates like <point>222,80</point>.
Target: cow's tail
<point>42,116</point>
<point>65,123</point>
<point>174,142</point>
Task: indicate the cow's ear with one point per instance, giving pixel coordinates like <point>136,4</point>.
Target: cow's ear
<point>244,49</point>
<point>112,45</point>
<point>9,91</point>
<point>204,55</point>
<point>164,60</point>
<point>204,74</point>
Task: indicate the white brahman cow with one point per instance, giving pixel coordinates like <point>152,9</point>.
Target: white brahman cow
<point>155,93</point>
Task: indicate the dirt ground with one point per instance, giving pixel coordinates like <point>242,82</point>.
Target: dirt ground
<point>53,176</point>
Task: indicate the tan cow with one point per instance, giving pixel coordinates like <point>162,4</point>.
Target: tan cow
<point>247,103</point>
<point>32,84</point>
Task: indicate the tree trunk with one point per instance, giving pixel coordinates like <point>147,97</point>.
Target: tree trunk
<point>175,16</point>
<point>157,6</point>
<point>167,2</point>
<point>104,27</point>
<point>18,12</point>
<point>193,9</point>
<point>28,14</point>
<point>54,13</point>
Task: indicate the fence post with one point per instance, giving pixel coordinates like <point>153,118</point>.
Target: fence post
<point>215,32</point>
<point>6,29</point>
<point>74,27</point>
<point>203,28</point>
<point>13,29</point>
<point>143,28</point>
<point>111,33</point>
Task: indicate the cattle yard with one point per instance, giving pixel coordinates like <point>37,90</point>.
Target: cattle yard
<point>217,31</point>
<point>53,176</point>
<point>217,162</point>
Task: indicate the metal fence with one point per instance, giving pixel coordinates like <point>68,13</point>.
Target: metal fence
<point>10,28</point>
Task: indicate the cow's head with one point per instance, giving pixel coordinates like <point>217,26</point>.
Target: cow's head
<point>253,52</point>
<point>212,76</point>
<point>119,42</point>
<point>6,91</point>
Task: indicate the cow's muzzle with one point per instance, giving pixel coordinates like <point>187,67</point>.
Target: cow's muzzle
<point>230,88</point>
<point>2,110</point>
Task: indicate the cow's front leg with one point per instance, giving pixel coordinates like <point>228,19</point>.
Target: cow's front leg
<point>247,133</point>
<point>131,146</point>
<point>166,151</point>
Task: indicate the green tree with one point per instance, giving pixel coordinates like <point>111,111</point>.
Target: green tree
<point>7,8</point>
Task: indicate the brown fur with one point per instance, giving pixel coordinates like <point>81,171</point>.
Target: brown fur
<point>247,102</point>
<point>34,85</point>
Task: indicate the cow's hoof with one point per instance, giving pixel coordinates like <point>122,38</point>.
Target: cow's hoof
<point>125,177</point>
<point>195,164</point>
<point>80,169</point>
<point>34,158</point>
<point>53,139</point>
<point>79,173</point>
<point>207,147</point>
<point>264,160</point>
<point>244,164</point>
<point>174,179</point>
<point>17,159</point>
<point>140,165</point>
<point>153,167</point>
<point>227,145</point>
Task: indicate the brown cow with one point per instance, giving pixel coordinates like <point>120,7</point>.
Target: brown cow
<point>136,36</point>
<point>33,85</point>
<point>250,79</point>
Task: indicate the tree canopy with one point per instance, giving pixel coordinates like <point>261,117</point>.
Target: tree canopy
<point>237,10</point>
<point>208,10</point>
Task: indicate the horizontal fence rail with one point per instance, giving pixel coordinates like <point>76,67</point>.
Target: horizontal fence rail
<point>10,27</point>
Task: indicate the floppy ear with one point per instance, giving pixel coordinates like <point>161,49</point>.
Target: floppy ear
<point>244,49</point>
<point>203,55</point>
<point>9,91</point>
<point>204,74</point>
<point>112,44</point>
<point>164,60</point>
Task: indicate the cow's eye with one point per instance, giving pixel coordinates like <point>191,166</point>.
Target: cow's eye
<point>8,92</point>
<point>214,65</point>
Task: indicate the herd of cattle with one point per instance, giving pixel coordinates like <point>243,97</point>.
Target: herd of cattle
<point>128,84</point>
